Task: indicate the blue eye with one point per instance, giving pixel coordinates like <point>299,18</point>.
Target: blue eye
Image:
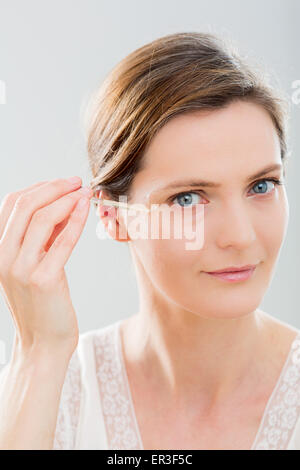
<point>186,198</point>
<point>262,184</point>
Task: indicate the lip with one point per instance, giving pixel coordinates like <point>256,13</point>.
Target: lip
<point>233,276</point>
<point>233,269</point>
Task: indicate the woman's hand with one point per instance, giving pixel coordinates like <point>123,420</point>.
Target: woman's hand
<point>39,227</point>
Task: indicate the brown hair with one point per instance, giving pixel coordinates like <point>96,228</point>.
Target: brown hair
<point>171,75</point>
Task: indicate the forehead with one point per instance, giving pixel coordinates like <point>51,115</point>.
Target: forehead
<point>235,141</point>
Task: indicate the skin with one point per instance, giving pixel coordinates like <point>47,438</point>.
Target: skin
<point>39,228</point>
<point>199,346</point>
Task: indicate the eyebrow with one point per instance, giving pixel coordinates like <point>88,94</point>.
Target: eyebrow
<point>210,184</point>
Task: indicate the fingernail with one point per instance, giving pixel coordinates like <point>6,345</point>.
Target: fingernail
<point>74,180</point>
<point>86,191</point>
<point>82,203</point>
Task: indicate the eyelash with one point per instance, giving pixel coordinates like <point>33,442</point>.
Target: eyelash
<point>276,181</point>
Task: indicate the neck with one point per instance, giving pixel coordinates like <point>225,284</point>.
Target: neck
<point>190,356</point>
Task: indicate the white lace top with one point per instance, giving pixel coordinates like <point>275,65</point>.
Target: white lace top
<point>96,408</point>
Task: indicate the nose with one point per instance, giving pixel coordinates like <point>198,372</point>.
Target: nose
<point>235,227</point>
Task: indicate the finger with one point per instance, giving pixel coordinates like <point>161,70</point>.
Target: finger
<point>57,229</point>
<point>60,251</point>
<point>42,227</point>
<point>26,205</point>
<point>8,203</point>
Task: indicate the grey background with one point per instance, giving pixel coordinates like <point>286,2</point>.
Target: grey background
<point>52,56</point>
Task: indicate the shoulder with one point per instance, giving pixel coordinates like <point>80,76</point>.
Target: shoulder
<point>282,345</point>
<point>94,348</point>
<point>280,333</point>
<point>80,388</point>
<point>94,334</point>
<point>92,340</point>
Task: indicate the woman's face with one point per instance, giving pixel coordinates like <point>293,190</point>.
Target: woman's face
<point>245,218</point>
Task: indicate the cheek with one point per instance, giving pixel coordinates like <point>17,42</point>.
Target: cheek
<point>166,257</point>
<point>272,224</point>
<point>171,269</point>
<point>172,243</point>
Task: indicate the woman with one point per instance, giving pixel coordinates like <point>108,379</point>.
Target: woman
<point>182,121</point>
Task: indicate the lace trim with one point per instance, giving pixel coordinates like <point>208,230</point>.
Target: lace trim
<point>117,408</point>
<point>68,413</point>
<point>283,410</point>
<point>275,430</point>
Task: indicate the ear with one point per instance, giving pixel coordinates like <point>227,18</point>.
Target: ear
<point>110,217</point>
